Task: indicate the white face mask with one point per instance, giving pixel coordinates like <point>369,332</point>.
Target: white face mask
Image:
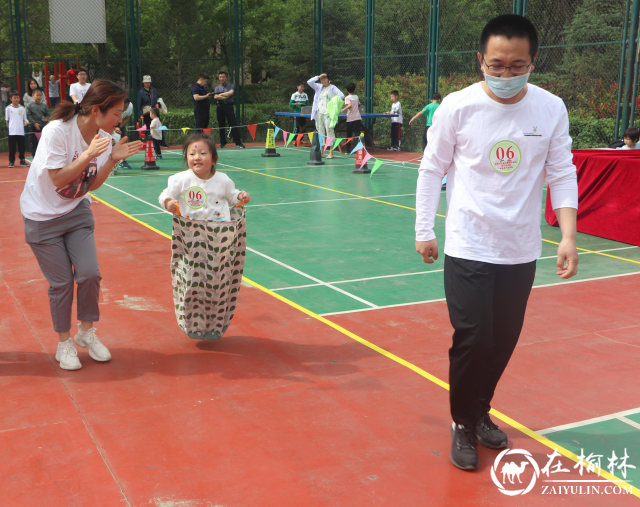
<point>506,87</point>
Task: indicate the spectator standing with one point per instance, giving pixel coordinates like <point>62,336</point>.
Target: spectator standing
<point>37,115</point>
<point>147,98</point>
<point>428,112</point>
<point>224,111</point>
<point>297,102</point>
<point>354,119</point>
<point>79,90</point>
<point>54,91</point>
<point>156,133</point>
<point>27,98</point>
<point>201,102</point>
<point>16,118</point>
<point>4,92</point>
<point>37,76</point>
<point>396,121</point>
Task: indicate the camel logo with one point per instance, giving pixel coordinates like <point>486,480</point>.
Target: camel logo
<point>511,471</point>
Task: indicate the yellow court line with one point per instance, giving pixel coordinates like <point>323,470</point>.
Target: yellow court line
<point>413,209</point>
<point>432,378</point>
<point>11,181</point>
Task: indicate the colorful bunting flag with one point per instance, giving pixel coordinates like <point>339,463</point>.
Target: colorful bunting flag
<point>164,127</point>
<point>142,129</point>
<point>184,129</point>
<point>252,130</point>
<point>366,157</point>
<point>310,137</point>
<point>284,136</point>
<point>357,148</point>
<point>376,166</point>
<point>329,141</point>
<point>291,137</point>
<point>337,143</point>
<point>320,139</point>
<point>298,138</point>
<point>208,131</point>
<point>275,132</point>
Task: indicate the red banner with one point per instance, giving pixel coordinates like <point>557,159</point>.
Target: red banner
<point>252,131</point>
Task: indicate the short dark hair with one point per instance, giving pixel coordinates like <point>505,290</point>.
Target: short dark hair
<point>632,133</point>
<point>351,87</point>
<point>81,70</point>
<point>328,76</point>
<point>436,96</point>
<point>207,139</point>
<point>510,26</point>
<point>223,72</point>
<point>204,75</point>
<point>301,83</point>
<point>155,111</point>
<point>14,93</point>
<point>395,92</point>
<point>40,90</point>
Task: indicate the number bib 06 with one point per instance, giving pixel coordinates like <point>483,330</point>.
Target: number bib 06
<point>195,197</point>
<point>505,157</point>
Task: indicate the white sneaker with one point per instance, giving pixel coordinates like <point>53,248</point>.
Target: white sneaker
<point>67,356</point>
<point>89,339</point>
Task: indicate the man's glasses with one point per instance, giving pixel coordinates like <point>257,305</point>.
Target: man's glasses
<point>515,69</point>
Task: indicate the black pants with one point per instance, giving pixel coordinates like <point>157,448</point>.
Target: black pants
<point>33,143</point>
<point>202,117</point>
<point>300,122</point>
<point>353,130</point>
<point>146,118</point>
<point>395,135</point>
<point>424,138</point>
<point>225,113</point>
<point>54,101</point>
<point>13,142</point>
<point>486,305</point>
<point>156,147</point>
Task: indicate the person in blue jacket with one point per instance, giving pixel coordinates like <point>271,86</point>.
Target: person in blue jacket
<point>148,98</point>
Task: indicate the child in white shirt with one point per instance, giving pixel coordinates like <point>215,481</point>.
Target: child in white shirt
<point>396,122</point>
<point>16,118</point>
<point>631,137</point>
<point>208,243</point>
<point>156,134</point>
<point>201,192</point>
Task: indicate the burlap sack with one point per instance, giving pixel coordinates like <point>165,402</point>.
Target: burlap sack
<point>207,260</point>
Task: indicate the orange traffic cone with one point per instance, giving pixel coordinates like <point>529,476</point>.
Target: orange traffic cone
<point>149,157</point>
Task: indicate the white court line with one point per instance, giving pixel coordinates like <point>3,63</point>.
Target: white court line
<point>328,200</point>
<point>382,307</point>
<point>320,282</point>
<point>154,213</point>
<point>138,199</point>
<point>362,279</point>
<point>629,422</point>
<point>587,422</point>
<point>435,270</point>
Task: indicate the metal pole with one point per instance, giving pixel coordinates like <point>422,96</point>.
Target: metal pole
<point>20,78</point>
<point>616,133</point>
<point>236,59</point>
<point>320,16</point>
<point>631,57</point>
<point>437,49</point>
<point>26,37</point>
<point>368,57</point>
<point>242,67</point>
<point>134,58</point>
<point>634,95</point>
<point>13,50</point>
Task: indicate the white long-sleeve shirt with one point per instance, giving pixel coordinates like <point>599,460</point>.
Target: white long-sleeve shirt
<point>202,199</point>
<point>497,157</point>
<point>317,86</point>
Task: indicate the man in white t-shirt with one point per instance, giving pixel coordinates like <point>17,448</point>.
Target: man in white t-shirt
<point>499,141</point>
<point>78,90</point>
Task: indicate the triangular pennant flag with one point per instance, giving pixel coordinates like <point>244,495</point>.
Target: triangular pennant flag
<point>284,136</point>
<point>356,148</point>
<point>184,129</point>
<point>298,138</point>
<point>337,143</point>
<point>311,137</point>
<point>142,129</point>
<point>320,138</point>
<point>376,166</point>
<point>275,133</point>
<point>366,157</point>
<point>291,137</point>
<point>347,141</point>
<point>208,131</point>
<point>164,127</point>
<point>252,130</point>
<point>38,134</point>
<point>329,141</point>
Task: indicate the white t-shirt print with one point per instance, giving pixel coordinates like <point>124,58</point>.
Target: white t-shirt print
<point>61,143</point>
<point>396,108</point>
<point>497,158</point>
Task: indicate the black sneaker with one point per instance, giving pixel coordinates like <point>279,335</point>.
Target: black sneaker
<point>222,146</point>
<point>241,146</point>
<point>24,163</point>
<point>125,165</point>
<point>489,434</point>
<point>463,448</point>
<point>10,164</point>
